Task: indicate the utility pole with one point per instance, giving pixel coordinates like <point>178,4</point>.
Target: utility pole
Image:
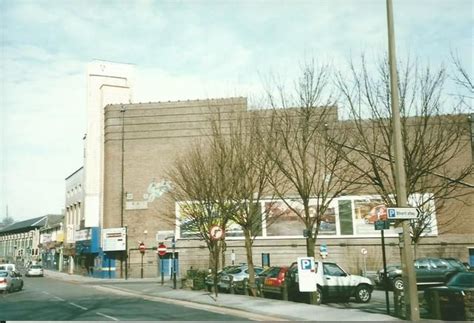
<point>409,278</point>
<point>122,193</point>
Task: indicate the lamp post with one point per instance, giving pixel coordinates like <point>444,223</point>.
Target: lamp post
<point>122,193</point>
<point>410,291</point>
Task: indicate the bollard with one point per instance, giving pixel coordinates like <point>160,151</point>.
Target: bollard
<point>436,306</point>
<point>284,289</point>
<point>231,285</point>
<point>397,297</point>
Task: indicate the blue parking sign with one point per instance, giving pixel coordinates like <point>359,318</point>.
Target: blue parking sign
<point>305,264</point>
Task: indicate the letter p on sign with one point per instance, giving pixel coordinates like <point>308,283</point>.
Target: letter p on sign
<point>305,264</point>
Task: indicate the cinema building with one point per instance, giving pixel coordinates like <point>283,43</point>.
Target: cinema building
<point>134,144</point>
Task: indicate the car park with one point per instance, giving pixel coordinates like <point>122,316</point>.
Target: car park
<point>236,276</point>
<point>429,271</point>
<point>34,271</point>
<point>450,298</point>
<point>10,281</point>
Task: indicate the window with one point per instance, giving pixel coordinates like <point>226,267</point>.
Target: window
<point>333,270</point>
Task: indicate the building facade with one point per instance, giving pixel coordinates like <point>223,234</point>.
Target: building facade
<point>20,241</point>
<point>141,141</point>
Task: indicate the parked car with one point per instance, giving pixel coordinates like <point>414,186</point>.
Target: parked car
<point>34,270</point>
<point>270,281</point>
<point>235,276</point>
<point>334,282</point>
<point>451,296</point>
<point>429,271</point>
<point>209,281</point>
<point>8,267</point>
<point>10,281</point>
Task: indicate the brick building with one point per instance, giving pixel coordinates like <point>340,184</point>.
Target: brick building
<point>142,140</point>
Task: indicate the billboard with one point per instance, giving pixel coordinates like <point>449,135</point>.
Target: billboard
<point>114,239</point>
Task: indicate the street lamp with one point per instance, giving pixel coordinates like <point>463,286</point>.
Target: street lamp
<point>411,294</point>
<point>122,194</point>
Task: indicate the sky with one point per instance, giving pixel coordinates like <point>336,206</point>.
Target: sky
<point>181,50</point>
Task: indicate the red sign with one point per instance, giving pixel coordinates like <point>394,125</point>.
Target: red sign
<point>161,250</point>
<point>142,247</point>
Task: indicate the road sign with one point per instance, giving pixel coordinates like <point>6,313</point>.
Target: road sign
<point>402,213</point>
<point>306,274</point>
<point>216,232</point>
<point>323,250</point>
<point>382,225</point>
<point>141,247</point>
<point>161,250</point>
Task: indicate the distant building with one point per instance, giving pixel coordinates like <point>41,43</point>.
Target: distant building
<point>20,241</point>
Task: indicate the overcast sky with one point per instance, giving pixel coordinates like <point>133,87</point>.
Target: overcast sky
<point>181,50</point>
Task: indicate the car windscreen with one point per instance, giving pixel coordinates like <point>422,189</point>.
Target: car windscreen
<point>36,267</point>
<point>3,274</point>
<point>234,271</point>
<point>462,280</point>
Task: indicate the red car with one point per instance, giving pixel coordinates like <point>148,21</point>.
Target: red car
<point>271,280</point>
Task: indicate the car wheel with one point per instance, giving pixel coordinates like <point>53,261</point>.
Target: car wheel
<point>398,284</point>
<point>319,296</point>
<point>363,294</point>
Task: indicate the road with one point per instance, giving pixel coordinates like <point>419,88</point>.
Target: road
<point>44,299</point>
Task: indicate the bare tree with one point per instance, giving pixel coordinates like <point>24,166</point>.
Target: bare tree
<point>248,171</point>
<point>432,139</point>
<point>302,145</point>
<point>201,191</point>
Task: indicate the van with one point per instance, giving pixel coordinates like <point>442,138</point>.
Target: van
<point>8,267</point>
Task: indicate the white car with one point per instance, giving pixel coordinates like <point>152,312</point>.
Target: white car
<point>333,281</point>
<point>34,270</point>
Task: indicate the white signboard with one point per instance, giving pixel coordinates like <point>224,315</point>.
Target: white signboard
<point>306,274</point>
<point>114,239</point>
<point>402,213</point>
<point>82,235</point>
<point>136,205</point>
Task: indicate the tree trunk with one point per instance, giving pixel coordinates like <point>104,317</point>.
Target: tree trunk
<point>310,241</point>
<point>248,249</point>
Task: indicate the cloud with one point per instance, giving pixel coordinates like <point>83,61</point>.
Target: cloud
<point>182,50</point>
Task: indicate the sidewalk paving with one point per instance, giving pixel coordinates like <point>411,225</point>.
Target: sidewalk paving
<point>246,306</point>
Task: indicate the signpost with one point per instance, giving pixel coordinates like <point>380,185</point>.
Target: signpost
<point>161,251</point>
<point>323,251</point>
<point>363,251</point>
<point>383,225</point>
<point>402,213</point>
<point>142,248</point>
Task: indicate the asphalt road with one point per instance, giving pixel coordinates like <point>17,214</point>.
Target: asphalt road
<point>44,299</point>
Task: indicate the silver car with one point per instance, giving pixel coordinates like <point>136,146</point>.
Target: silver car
<point>235,276</point>
<point>10,281</point>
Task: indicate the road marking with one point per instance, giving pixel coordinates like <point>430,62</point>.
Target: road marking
<point>81,307</point>
<point>109,317</point>
<point>59,298</point>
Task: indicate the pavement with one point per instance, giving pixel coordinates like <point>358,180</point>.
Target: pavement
<point>252,308</point>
